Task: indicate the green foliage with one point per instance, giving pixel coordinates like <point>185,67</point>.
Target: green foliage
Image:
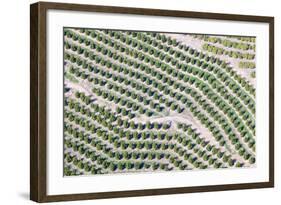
<point>158,77</point>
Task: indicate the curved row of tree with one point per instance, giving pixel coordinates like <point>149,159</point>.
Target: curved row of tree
<point>247,64</point>
<point>227,42</point>
<point>231,53</point>
<point>245,39</point>
<point>98,112</point>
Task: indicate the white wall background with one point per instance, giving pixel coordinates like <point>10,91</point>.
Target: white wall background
<point>14,103</point>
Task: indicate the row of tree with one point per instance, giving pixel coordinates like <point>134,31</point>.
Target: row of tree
<point>99,111</point>
<point>231,53</point>
<point>226,42</point>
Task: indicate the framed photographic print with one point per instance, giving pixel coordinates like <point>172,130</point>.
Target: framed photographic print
<point>135,102</point>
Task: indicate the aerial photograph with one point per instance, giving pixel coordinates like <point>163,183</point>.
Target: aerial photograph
<point>144,101</point>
